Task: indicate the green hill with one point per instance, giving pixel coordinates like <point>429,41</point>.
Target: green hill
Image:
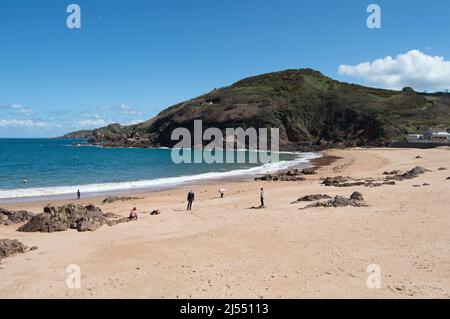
<point>310,109</point>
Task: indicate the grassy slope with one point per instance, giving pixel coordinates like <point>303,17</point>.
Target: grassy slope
<point>309,109</point>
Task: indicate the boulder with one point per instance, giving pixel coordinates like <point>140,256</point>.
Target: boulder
<point>292,175</point>
<point>355,200</point>
<point>12,217</point>
<point>395,172</point>
<point>413,173</point>
<point>292,172</point>
<point>309,171</point>
<point>312,198</point>
<point>112,199</point>
<point>122,220</point>
<point>334,181</point>
<point>111,215</point>
<point>10,247</point>
<point>357,196</point>
<point>55,219</point>
<point>287,178</point>
<point>338,201</point>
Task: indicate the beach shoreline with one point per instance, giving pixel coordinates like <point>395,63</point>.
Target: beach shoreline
<point>21,203</point>
<point>303,160</point>
<point>225,249</point>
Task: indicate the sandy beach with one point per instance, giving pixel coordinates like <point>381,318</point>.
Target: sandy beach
<point>224,249</point>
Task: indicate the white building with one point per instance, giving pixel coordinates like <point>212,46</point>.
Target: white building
<point>414,137</point>
<point>441,136</point>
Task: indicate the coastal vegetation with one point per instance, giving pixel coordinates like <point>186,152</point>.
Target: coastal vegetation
<point>311,110</point>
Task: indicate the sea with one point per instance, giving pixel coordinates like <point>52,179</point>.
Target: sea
<point>32,169</point>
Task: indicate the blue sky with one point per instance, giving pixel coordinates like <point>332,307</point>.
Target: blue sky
<point>131,59</point>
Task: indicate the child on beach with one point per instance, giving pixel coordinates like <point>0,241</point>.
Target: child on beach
<point>134,214</point>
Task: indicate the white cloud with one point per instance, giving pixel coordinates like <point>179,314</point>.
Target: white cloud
<point>123,109</point>
<point>96,122</point>
<point>415,69</point>
<point>128,110</point>
<point>24,123</point>
<point>16,116</point>
<point>18,109</point>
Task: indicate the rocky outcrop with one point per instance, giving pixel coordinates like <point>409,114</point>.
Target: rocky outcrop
<point>81,218</point>
<point>357,196</point>
<point>395,172</point>
<point>312,198</point>
<point>8,217</point>
<point>292,175</point>
<point>335,181</point>
<point>112,199</point>
<point>309,171</point>
<point>340,181</point>
<point>413,173</point>
<point>10,247</point>
<point>111,216</point>
<point>390,179</point>
<point>355,200</point>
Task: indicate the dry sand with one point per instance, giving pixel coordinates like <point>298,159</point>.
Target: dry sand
<point>223,249</point>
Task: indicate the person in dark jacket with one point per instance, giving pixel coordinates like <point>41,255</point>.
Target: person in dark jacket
<point>190,199</point>
<point>262,197</point>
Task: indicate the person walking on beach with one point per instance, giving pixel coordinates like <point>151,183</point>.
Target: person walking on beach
<point>222,192</point>
<point>262,196</point>
<point>190,198</point>
<point>78,195</point>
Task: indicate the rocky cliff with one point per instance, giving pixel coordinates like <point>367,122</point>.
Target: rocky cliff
<point>310,109</point>
<point>83,134</point>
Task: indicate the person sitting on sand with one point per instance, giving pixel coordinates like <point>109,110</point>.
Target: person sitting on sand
<point>134,214</point>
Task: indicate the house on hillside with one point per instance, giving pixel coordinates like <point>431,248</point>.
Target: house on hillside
<point>414,137</point>
<point>441,137</point>
<point>430,135</point>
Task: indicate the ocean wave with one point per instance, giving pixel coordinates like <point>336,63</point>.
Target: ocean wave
<point>158,183</point>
